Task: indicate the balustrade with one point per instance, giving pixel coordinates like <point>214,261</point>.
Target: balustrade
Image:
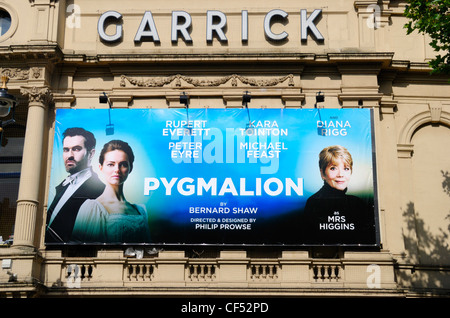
<point>326,272</point>
<point>264,272</point>
<point>208,270</point>
<point>202,272</point>
<point>76,274</point>
<point>140,272</point>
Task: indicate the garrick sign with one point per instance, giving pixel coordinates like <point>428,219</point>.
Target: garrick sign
<point>216,24</point>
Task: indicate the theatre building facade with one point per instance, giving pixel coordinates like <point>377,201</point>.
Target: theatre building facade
<point>221,148</point>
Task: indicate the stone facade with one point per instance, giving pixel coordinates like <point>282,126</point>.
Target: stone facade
<point>57,55</point>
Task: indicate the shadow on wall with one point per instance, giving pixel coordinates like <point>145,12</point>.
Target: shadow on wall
<point>432,248</point>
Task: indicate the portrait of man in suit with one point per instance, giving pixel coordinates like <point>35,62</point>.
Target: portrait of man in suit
<point>81,184</point>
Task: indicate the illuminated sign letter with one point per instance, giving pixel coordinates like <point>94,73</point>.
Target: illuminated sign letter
<point>218,28</point>
<point>267,21</point>
<point>101,26</point>
<point>182,28</point>
<point>244,25</point>
<point>147,23</point>
<point>308,23</point>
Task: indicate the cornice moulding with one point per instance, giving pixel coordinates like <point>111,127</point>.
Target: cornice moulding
<point>31,52</point>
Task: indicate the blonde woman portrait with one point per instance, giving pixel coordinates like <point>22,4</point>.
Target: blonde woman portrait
<point>331,215</point>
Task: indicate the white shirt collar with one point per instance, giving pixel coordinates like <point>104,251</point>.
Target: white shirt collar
<point>81,175</point>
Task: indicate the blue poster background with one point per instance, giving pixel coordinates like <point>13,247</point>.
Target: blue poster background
<point>281,147</point>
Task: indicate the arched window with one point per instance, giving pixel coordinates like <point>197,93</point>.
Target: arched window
<point>431,177</point>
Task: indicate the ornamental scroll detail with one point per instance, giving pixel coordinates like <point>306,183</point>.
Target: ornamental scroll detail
<point>20,73</point>
<point>234,78</point>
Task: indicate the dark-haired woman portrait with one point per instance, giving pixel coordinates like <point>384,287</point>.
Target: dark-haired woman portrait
<point>110,218</point>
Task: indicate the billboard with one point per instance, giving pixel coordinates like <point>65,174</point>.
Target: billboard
<point>214,176</point>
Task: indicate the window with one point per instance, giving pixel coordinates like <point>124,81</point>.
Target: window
<point>5,22</point>
<point>8,21</point>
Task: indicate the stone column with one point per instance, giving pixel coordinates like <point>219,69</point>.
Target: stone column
<point>29,187</point>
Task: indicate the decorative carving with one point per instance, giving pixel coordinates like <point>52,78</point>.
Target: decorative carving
<point>16,73</point>
<point>35,94</point>
<point>21,74</point>
<point>35,72</point>
<point>161,81</point>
